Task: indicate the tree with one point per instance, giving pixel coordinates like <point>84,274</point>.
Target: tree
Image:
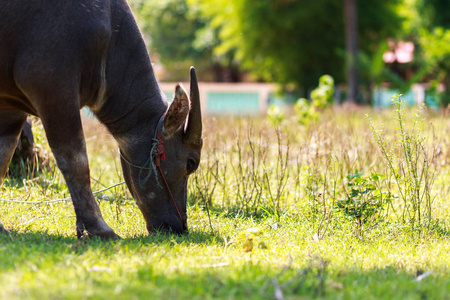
<point>432,29</point>
<point>170,28</point>
<point>294,42</point>
<point>179,36</point>
<point>439,12</point>
<point>291,42</point>
<point>351,44</point>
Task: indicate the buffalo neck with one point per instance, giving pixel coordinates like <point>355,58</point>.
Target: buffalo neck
<point>133,102</point>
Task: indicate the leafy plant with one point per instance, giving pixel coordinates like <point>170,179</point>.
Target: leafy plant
<point>306,113</point>
<point>365,198</point>
<point>275,115</point>
<point>322,96</point>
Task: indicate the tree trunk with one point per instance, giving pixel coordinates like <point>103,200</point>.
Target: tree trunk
<point>351,43</point>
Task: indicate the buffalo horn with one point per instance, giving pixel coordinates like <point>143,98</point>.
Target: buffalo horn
<point>194,128</point>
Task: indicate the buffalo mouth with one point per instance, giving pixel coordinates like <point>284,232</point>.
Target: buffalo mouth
<point>167,227</point>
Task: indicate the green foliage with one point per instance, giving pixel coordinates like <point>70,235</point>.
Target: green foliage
<point>294,42</point>
<point>365,199</point>
<point>289,42</point>
<point>321,98</point>
<point>171,27</point>
<point>436,53</point>
<point>286,41</point>
<point>373,71</point>
<point>427,24</point>
<point>275,115</point>
<point>306,113</point>
<point>434,13</point>
<point>436,48</point>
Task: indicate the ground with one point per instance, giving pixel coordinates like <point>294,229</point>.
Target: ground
<point>263,219</point>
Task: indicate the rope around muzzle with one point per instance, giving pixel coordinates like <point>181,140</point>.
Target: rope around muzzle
<point>153,163</point>
<point>157,149</point>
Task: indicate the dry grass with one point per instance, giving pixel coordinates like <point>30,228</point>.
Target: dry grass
<point>275,229</point>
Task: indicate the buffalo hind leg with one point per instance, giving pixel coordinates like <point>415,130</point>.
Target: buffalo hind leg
<point>11,124</point>
<point>66,139</point>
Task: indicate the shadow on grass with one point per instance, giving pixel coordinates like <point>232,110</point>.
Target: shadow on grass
<point>44,242</point>
<point>193,237</point>
<point>20,250</point>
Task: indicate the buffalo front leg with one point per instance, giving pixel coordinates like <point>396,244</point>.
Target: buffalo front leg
<point>11,124</point>
<point>65,136</point>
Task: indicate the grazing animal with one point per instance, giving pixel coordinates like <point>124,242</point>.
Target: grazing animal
<point>58,56</point>
<point>25,146</point>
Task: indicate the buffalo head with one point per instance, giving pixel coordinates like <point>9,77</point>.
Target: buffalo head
<point>159,185</point>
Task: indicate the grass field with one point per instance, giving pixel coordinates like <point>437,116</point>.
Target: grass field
<point>275,212</point>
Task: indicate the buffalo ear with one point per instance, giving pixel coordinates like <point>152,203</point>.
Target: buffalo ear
<point>178,111</point>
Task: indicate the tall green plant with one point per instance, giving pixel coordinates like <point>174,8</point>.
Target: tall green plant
<point>409,164</point>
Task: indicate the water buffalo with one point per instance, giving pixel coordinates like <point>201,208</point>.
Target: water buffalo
<point>58,56</point>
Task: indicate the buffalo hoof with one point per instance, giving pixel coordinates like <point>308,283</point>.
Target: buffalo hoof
<point>104,236</point>
<point>101,235</point>
<point>99,230</point>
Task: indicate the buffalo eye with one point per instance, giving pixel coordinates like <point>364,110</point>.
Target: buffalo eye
<point>191,166</point>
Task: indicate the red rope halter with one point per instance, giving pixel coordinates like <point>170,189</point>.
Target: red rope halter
<point>158,158</point>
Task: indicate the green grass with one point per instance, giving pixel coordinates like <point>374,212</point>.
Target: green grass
<point>275,234</point>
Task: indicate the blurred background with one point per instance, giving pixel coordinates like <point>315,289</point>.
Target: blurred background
<point>276,50</point>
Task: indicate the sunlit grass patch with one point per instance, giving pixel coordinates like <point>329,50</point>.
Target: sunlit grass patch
<point>262,217</point>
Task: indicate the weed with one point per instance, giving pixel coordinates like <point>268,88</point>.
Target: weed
<point>365,200</point>
<point>409,166</point>
<point>276,191</point>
